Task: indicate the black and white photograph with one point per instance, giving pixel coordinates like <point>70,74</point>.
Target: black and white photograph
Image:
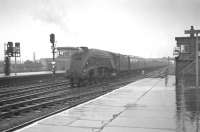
<point>99,65</point>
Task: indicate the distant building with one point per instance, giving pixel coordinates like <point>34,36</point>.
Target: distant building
<point>46,63</point>
<point>62,59</point>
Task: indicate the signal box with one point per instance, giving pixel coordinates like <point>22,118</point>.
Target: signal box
<point>185,60</point>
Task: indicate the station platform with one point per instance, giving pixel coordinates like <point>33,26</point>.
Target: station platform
<point>28,74</point>
<point>146,105</point>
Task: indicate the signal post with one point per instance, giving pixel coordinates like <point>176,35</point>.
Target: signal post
<point>52,40</point>
<point>11,51</point>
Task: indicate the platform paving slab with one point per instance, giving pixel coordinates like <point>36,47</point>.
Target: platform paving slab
<point>143,106</point>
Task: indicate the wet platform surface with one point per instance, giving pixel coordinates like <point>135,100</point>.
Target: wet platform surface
<point>143,106</point>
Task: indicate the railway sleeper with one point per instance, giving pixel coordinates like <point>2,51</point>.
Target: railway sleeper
<point>34,106</point>
<point>30,102</point>
<point>30,89</point>
<point>41,90</point>
<point>30,107</point>
<point>26,97</point>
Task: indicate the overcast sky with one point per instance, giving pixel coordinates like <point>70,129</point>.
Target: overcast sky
<point>145,28</point>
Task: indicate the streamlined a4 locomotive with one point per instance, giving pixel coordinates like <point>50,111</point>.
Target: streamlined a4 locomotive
<point>88,65</point>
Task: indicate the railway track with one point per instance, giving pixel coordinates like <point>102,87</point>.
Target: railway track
<point>19,80</point>
<point>55,97</point>
<point>31,89</point>
<point>158,73</point>
<point>30,86</point>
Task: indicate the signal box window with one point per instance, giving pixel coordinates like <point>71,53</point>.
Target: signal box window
<point>185,49</point>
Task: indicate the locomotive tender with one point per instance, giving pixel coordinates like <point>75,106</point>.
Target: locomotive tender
<point>93,64</point>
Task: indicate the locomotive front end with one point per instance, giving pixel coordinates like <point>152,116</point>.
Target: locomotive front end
<point>74,73</point>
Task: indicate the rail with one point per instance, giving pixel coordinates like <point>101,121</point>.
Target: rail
<point>59,99</point>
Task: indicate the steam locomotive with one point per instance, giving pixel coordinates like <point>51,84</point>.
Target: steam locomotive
<point>88,65</point>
